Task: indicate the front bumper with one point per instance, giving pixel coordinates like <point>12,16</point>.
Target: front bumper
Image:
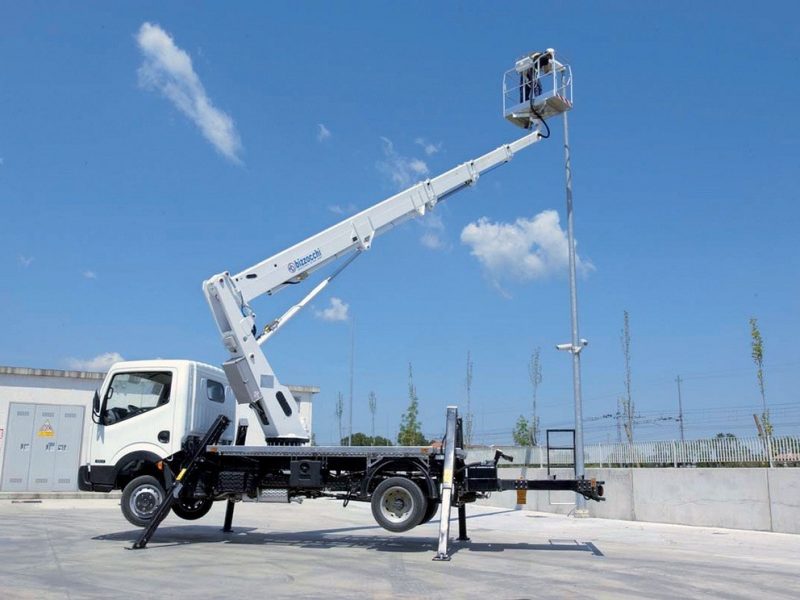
<point>96,478</point>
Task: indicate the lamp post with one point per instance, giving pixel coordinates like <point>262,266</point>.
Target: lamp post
<point>576,344</point>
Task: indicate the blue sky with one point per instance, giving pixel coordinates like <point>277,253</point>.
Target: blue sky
<point>118,198</point>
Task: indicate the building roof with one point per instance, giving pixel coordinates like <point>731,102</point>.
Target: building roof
<point>31,372</point>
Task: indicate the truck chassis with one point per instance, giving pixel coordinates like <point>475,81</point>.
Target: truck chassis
<point>405,485</point>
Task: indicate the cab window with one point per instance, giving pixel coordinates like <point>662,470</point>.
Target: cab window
<point>132,394</point>
<point>215,391</point>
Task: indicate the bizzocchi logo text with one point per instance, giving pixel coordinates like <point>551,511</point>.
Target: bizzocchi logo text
<point>301,262</point>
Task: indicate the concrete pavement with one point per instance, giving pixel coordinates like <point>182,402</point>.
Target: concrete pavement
<point>77,549</point>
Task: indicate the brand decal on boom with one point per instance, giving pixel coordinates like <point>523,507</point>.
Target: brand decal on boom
<point>301,262</point>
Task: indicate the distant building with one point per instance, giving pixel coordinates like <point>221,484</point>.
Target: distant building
<point>44,432</point>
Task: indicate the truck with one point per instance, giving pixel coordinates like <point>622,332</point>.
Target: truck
<point>162,430</point>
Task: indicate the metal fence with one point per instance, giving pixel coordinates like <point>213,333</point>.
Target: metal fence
<point>729,452</point>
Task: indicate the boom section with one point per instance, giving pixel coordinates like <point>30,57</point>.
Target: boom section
<point>357,232</point>
<point>250,374</point>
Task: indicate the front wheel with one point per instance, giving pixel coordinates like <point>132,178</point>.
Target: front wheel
<point>141,499</point>
<point>398,504</point>
<point>192,509</point>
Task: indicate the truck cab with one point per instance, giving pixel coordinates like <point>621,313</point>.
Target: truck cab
<point>144,413</point>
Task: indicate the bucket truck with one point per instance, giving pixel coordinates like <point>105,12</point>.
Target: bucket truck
<point>161,429</point>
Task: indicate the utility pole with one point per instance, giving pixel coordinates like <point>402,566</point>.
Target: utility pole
<point>468,424</point>
<point>352,360</point>
<point>678,380</point>
<point>577,344</point>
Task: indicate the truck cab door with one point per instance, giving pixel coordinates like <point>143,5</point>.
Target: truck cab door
<point>137,413</point>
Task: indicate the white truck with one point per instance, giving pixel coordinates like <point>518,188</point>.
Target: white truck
<point>160,428</point>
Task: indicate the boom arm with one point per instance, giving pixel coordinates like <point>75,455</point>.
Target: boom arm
<point>249,373</point>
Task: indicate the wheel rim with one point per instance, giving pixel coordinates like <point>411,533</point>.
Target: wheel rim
<point>193,505</point>
<point>397,504</point>
<point>145,500</point>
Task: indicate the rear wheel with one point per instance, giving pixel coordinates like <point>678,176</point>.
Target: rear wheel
<point>398,504</point>
<point>192,509</point>
<point>141,499</point>
<point>430,512</point>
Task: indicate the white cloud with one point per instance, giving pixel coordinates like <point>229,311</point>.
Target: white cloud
<point>25,261</point>
<point>433,238</point>
<point>168,69</point>
<point>402,170</point>
<point>429,147</point>
<point>101,362</point>
<point>524,250</point>
<point>90,275</point>
<point>339,209</point>
<point>2,161</point>
<point>337,311</point>
<point>323,134</point>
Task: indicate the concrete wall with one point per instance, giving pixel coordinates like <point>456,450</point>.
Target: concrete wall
<point>739,498</point>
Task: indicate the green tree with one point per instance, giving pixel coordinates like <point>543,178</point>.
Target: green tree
<point>757,352</point>
<point>522,432</point>
<point>410,427</point>
<point>373,408</point>
<point>628,407</point>
<point>340,412</point>
<point>362,439</point>
<point>535,375</point>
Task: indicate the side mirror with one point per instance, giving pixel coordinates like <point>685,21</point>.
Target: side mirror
<point>96,408</point>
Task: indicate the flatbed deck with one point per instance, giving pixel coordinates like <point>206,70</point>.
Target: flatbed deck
<point>327,451</point>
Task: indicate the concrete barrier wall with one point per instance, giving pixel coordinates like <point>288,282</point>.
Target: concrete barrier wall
<point>739,498</point>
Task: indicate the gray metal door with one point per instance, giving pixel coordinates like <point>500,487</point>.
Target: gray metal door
<point>68,449</point>
<point>17,456</point>
<point>43,447</point>
<point>43,456</point>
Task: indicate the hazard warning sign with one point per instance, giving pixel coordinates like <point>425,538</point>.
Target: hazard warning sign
<point>46,430</point>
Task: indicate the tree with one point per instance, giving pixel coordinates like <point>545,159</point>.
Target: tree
<point>468,421</point>
<point>628,408</point>
<point>535,374</point>
<point>522,432</point>
<point>339,412</point>
<point>410,428</point>
<point>362,439</point>
<point>757,352</point>
<point>373,408</point>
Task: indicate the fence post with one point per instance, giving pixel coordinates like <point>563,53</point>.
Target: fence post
<point>674,455</point>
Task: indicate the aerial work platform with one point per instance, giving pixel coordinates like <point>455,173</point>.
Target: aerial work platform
<point>537,88</point>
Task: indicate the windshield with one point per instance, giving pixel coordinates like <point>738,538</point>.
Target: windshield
<point>131,394</point>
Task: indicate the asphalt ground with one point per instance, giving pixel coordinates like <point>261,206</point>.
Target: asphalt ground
<point>77,548</point>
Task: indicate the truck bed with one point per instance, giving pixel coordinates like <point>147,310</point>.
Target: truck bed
<point>327,451</point>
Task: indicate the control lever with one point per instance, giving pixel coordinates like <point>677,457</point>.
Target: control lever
<point>498,454</point>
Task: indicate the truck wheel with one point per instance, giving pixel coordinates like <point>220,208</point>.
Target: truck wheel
<point>192,509</point>
<point>141,499</point>
<point>398,504</point>
<point>430,512</point>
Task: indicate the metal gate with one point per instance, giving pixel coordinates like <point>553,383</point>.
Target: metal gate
<point>43,447</point>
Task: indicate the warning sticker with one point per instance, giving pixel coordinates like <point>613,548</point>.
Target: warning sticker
<point>46,430</point>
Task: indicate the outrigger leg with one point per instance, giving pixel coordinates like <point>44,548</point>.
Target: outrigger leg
<point>447,483</point>
<point>187,468</point>
<point>241,434</point>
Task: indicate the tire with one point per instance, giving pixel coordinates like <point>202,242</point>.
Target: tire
<point>398,504</point>
<point>192,509</point>
<point>141,499</point>
<point>430,512</point>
